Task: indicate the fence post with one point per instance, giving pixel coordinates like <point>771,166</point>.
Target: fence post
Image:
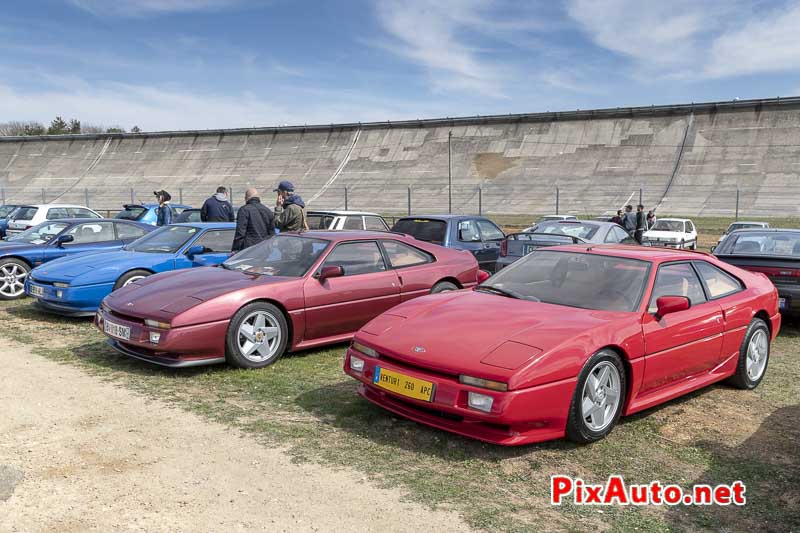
<point>449,172</point>
<point>345,198</point>
<point>737,203</point>
<point>133,196</point>
<point>557,194</point>
<point>409,200</point>
<point>44,200</point>
<point>86,196</point>
<point>3,195</point>
<point>180,195</point>
<point>640,196</point>
<point>480,199</point>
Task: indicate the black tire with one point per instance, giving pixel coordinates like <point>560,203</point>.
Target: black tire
<point>133,275</point>
<point>13,273</point>
<point>235,339</point>
<point>578,430</point>
<point>444,286</point>
<point>693,246</point>
<point>741,378</point>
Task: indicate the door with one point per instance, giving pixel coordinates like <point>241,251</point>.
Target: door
<point>468,237</point>
<point>87,237</point>
<point>216,245</point>
<point>409,263</point>
<point>685,343</point>
<point>342,305</point>
<point>491,237</point>
<point>127,233</point>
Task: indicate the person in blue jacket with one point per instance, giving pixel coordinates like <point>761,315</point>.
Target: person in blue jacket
<point>163,212</point>
<point>217,208</point>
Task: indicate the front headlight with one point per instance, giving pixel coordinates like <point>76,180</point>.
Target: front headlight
<point>61,285</point>
<point>157,324</point>
<point>483,383</point>
<point>481,402</point>
<point>366,350</point>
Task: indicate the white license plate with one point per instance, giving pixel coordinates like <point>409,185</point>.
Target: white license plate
<point>37,291</point>
<point>117,330</point>
<point>781,303</point>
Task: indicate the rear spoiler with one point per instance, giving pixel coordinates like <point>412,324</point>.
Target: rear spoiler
<point>575,240</point>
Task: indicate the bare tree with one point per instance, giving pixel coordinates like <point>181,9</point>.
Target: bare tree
<point>93,128</point>
<point>18,127</point>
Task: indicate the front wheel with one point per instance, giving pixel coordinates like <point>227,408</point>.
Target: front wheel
<point>598,399</point>
<point>753,356</point>
<point>13,273</point>
<point>257,336</point>
<point>129,277</point>
<point>444,286</point>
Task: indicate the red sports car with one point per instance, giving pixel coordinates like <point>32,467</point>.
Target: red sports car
<point>293,291</point>
<point>567,339</point>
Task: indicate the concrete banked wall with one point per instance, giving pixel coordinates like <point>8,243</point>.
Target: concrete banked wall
<point>686,159</point>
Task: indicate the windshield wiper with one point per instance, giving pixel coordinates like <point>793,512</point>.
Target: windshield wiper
<point>506,292</point>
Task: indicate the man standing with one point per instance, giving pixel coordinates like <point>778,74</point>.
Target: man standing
<point>618,218</point>
<point>290,213</point>
<point>217,208</point>
<point>630,219</point>
<point>254,223</point>
<point>163,211</point>
<point>641,224</point>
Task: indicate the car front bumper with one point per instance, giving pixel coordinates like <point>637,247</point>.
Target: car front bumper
<point>68,301</point>
<point>517,417</point>
<point>791,297</point>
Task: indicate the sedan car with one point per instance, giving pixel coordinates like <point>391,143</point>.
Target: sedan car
<point>292,291</point>
<point>28,216</point>
<point>566,340</point>
<point>672,233</point>
<point>59,238</point>
<point>478,235</point>
<point>773,252</point>
<point>741,225</point>
<point>554,233</point>
<point>146,213</point>
<point>75,286</point>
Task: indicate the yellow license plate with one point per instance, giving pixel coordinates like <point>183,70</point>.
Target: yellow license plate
<point>418,389</point>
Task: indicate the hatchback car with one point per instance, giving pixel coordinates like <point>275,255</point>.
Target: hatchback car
<point>146,213</point>
<point>28,216</point>
<point>672,233</point>
<point>346,220</point>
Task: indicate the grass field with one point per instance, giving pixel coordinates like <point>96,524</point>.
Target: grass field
<point>305,404</point>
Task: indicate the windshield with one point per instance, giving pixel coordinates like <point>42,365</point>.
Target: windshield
<point>761,243</point>
<point>422,229</point>
<point>573,229</point>
<point>281,255</point>
<point>165,240</point>
<point>573,279</point>
<point>132,212</point>
<point>7,210</point>
<point>668,225</point>
<point>745,225</point>
<point>26,213</point>
<point>41,234</point>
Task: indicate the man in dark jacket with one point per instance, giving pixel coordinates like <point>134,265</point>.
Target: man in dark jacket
<point>254,223</point>
<point>641,224</point>
<point>217,208</point>
<point>163,211</point>
<point>618,219</point>
<point>290,209</point>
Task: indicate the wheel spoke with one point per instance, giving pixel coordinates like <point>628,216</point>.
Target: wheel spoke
<point>249,348</point>
<point>270,332</point>
<point>260,321</point>
<point>603,379</point>
<point>247,332</point>
<point>611,395</point>
<point>264,350</point>
<point>587,406</point>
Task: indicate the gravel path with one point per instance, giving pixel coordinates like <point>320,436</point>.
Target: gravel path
<point>77,454</point>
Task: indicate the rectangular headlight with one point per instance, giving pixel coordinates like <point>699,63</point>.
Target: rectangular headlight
<point>366,350</point>
<point>156,324</point>
<point>483,383</point>
<point>356,364</point>
<point>61,285</point>
<point>481,402</point>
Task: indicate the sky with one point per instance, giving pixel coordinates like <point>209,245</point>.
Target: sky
<point>203,64</point>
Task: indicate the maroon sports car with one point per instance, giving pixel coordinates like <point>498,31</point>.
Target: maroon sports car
<point>291,292</point>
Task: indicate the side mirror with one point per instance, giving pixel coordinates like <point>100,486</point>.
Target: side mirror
<point>195,250</point>
<point>334,271</point>
<point>63,239</point>
<point>671,304</point>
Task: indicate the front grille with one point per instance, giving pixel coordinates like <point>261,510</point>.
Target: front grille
<point>40,282</point>
<point>410,366</point>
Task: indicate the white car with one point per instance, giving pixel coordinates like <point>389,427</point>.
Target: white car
<point>673,233</point>
<point>743,225</point>
<point>346,220</point>
<point>549,218</point>
<point>28,216</point>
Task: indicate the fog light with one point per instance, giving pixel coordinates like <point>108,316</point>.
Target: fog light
<point>59,294</point>
<point>481,402</point>
<point>155,336</point>
<point>356,364</point>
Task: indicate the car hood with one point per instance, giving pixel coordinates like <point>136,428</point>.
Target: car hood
<point>8,248</point>
<point>171,293</point>
<point>463,332</point>
<point>652,234</point>
<point>100,267</point>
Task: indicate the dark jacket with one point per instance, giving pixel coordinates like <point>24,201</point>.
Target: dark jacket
<point>217,209</point>
<point>641,221</point>
<point>618,220</point>
<point>291,217</point>
<point>163,215</point>
<point>254,224</point>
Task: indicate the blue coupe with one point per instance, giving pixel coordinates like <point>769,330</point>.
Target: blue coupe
<point>75,286</point>
<point>59,238</point>
<point>146,213</point>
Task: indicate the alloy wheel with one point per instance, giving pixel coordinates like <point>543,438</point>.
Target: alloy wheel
<point>259,337</point>
<point>12,280</point>
<point>757,354</point>
<point>601,396</point>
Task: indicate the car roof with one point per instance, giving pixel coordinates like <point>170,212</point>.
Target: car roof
<point>442,217</point>
<point>207,225</point>
<point>336,236</point>
<point>152,205</point>
<point>766,230</point>
<point>645,253</point>
<point>39,206</point>
<point>86,219</point>
<point>340,213</point>
<point>675,219</point>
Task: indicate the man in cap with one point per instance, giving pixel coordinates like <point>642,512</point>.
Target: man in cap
<point>163,211</point>
<point>290,214</point>
<point>254,223</point>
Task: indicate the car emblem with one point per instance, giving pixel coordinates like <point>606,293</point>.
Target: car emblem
<point>129,304</point>
<point>418,349</point>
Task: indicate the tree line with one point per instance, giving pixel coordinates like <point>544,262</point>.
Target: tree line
<point>58,126</point>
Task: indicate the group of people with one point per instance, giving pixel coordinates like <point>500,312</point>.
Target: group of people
<point>255,221</point>
<point>635,223</point>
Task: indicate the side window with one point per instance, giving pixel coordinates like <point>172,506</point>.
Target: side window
<point>353,222</point>
<point>375,224</point>
<point>402,255</point>
<point>215,241</point>
<point>468,231</point>
<point>57,213</point>
<point>79,212</point>
<point>621,235</point>
<point>719,283</point>
<point>489,231</point>
<point>677,280</point>
<point>689,226</point>
<point>357,258</point>
<point>92,232</point>
<point>126,231</point>
<point>612,236</point>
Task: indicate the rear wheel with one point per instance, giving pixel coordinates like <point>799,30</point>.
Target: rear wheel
<point>598,398</point>
<point>257,336</point>
<point>129,277</point>
<point>444,286</point>
<point>753,356</point>
<point>13,273</point>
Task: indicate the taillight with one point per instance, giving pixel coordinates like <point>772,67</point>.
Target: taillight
<point>483,276</point>
<point>504,248</point>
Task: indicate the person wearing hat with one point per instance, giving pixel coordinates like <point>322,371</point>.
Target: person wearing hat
<point>254,223</point>
<point>163,211</point>
<point>290,213</point>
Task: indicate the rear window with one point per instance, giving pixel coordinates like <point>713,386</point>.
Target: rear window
<point>423,229</point>
<point>132,212</point>
<point>761,243</point>
<point>319,221</point>
<point>573,229</point>
<point>6,210</point>
<point>26,213</point>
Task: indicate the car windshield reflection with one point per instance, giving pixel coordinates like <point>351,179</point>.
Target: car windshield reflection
<point>165,240</point>
<point>281,255</point>
<point>41,234</point>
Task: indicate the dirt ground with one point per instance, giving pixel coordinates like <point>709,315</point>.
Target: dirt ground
<point>78,454</point>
